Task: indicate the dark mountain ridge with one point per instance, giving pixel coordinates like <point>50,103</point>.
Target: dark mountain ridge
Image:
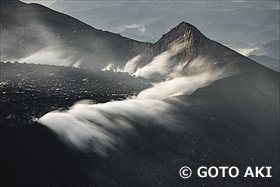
<point>26,28</point>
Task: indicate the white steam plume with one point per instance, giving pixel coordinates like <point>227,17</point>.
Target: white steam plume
<point>245,51</point>
<point>178,86</point>
<point>109,67</point>
<point>161,64</point>
<point>130,66</point>
<point>52,56</point>
<point>103,127</point>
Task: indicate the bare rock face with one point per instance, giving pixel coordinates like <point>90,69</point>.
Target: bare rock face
<point>185,33</point>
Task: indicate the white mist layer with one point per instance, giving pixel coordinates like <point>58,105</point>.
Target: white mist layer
<point>130,66</point>
<point>103,127</point>
<point>159,66</point>
<point>178,86</point>
<point>245,51</point>
<point>52,56</point>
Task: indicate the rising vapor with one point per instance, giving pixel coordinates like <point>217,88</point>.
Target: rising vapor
<point>53,55</point>
<point>103,127</point>
<point>161,64</point>
<point>130,66</point>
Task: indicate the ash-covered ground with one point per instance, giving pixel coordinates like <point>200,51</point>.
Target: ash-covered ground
<point>30,152</point>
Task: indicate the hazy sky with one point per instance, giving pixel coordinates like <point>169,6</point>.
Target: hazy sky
<point>49,2</point>
<point>43,2</point>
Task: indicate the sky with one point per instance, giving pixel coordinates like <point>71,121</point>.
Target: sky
<point>42,2</point>
<point>49,2</point>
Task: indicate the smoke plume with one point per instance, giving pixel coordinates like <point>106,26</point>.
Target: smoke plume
<point>104,127</point>
<point>53,56</point>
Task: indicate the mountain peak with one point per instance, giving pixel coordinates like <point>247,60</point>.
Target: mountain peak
<point>182,33</point>
<point>185,30</point>
<point>185,26</point>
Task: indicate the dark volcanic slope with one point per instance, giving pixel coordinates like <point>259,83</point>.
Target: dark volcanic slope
<point>30,154</point>
<point>233,122</point>
<point>58,86</point>
<point>236,121</point>
<point>26,28</point>
<point>267,61</point>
